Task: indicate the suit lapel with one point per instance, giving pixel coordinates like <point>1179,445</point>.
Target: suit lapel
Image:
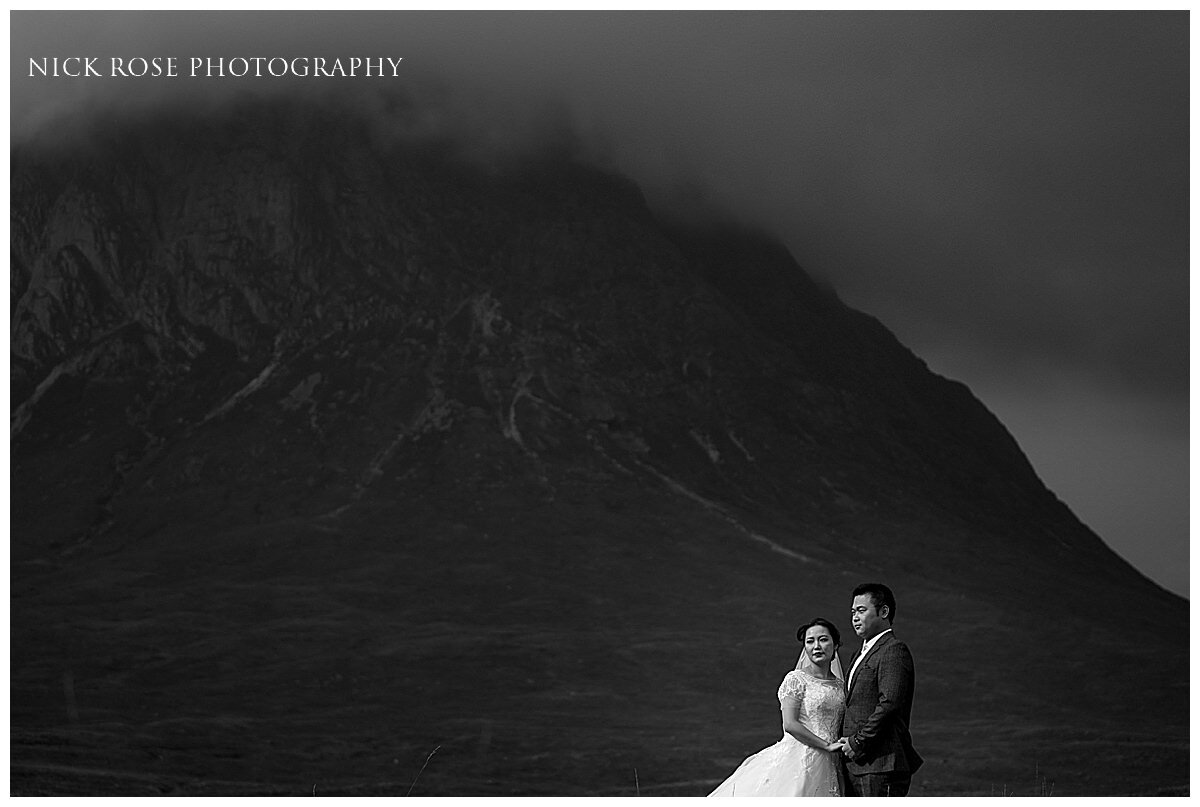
<point>884,639</point>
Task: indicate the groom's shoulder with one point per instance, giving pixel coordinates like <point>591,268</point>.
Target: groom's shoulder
<point>896,645</point>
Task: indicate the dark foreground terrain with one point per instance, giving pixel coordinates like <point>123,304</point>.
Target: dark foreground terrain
<point>338,654</point>
<point>339,464</point>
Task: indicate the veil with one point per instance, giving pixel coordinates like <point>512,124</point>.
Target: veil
<point>805,664</point>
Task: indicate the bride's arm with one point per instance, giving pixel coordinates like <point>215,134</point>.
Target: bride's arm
<point>792,725</point>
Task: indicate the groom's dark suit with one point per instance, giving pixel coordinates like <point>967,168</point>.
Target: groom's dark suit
<point>878,710</point>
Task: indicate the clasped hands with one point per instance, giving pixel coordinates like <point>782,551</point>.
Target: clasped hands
<point>843,745</point>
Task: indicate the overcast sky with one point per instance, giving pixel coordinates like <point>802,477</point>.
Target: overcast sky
<point>1007,192</point>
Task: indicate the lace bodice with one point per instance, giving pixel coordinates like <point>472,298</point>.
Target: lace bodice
<point>822,702</point>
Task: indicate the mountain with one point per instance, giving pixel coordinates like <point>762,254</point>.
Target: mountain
<point>349,462</point>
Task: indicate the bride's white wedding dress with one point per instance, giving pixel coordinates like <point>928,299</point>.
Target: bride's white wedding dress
<point>789,767</point>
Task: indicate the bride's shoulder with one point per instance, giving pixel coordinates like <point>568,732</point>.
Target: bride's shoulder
<point>793,681</point>
<point>792,686</point>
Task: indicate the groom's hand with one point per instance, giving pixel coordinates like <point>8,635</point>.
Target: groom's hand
<point>844,742</point>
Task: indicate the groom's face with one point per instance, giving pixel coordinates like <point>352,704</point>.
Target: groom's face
<point>865,617</point>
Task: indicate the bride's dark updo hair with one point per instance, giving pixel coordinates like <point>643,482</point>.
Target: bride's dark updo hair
<point>825,623</point>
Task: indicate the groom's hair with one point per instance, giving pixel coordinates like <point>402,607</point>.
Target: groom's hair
<point>881,595</point>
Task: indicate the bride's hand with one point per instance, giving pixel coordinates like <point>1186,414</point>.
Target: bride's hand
<point>835,747</point>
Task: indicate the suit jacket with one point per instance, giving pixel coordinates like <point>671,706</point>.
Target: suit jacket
<point>878,710</point>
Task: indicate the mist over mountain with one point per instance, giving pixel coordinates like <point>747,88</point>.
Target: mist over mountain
<point>335,444</point>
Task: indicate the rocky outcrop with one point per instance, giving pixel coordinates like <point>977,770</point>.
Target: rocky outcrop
<point>547,289</point>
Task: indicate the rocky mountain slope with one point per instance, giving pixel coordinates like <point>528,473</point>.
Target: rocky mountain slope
<point>332,451</point>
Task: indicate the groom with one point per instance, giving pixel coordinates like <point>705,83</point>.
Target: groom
<point>879,755</point>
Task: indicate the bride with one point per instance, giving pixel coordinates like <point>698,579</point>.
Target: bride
<point>812,697</point>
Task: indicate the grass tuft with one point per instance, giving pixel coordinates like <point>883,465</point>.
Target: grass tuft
<point>1042,785</point>
<point>418,776</point>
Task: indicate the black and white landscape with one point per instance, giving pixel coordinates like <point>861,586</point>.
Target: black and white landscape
<point>348,458</point>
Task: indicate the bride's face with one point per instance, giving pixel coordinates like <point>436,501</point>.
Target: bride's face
<point>818,643</point>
